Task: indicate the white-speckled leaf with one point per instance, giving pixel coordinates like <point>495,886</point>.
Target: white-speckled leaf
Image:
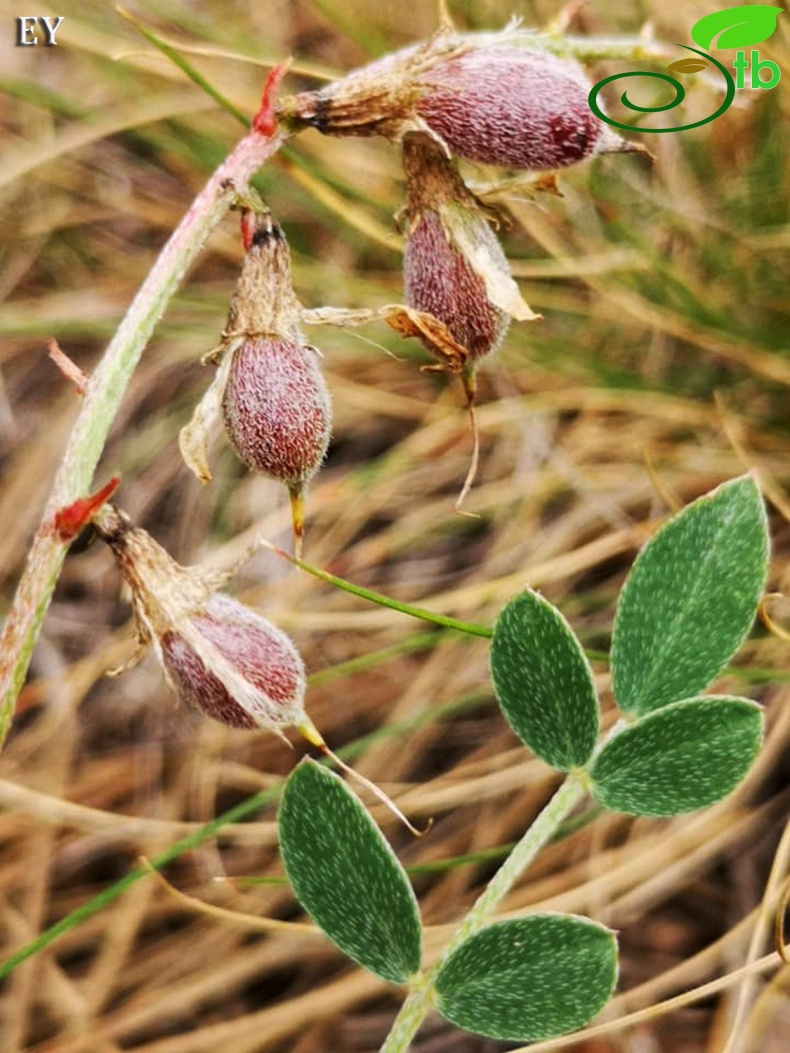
<point>346,876</point>
<point>690,599</point>
<point>529,979</point>
<point>543,682</point>
<point>680,758</point>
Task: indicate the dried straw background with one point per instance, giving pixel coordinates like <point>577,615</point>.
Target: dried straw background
<point>661,368</point>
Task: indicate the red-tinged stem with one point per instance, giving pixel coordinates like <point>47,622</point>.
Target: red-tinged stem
<point>105,389</point>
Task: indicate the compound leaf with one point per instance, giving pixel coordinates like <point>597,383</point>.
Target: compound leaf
<point>345,874</point>
<point>529,979</point>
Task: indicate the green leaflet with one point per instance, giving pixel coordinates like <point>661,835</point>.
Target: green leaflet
<point>690,598</point>
<point>345,874</point>
<point>543,682</point>
<point>680,758</point>
<point>528,979</point>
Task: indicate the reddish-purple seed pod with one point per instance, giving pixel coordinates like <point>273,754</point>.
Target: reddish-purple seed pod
<point>222,658</point>
<point>489,97</point>
<point>276,409</point>
<point>512,107</point>
<point>439,280</point>
<point>454,267</point>
<point>266,682</point>
<point>442,219</point>
<point>269,388</point>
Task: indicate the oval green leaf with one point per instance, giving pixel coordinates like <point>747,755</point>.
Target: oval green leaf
<point>543,682</point>
<point>688,65</point>
<point>345,874</point>
<point>736,27</point>
<point>529,979</point>
<point>690,599</point>
<point>679,759</point>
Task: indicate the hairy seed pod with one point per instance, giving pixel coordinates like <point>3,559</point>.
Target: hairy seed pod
<point>275,403</point>
<point>454,267</point>
<point>269,390</point>
<point>512,107</point>
<point>440,280</point>
<point>450,250</point>
<point>264,682</point>
<point>276,409</point>
<point>221,658</point>
<point>489,97</point>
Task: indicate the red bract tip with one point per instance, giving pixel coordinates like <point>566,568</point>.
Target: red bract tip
<point>248,226</point>
<point>265,121</point>
<point>71,519</point>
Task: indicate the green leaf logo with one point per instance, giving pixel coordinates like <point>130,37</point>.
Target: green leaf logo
<point>736,27</point>
<point>688,65</point>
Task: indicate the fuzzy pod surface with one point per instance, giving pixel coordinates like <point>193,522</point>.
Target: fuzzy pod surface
<point>276,408</point>
<point>438,279</point>
<point>453,266</point>
<point>511,106</point>
<point>489,97</point>
<point>266,678</point>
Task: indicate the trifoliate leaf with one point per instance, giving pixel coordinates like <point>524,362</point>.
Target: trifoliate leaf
<point>346,876</point>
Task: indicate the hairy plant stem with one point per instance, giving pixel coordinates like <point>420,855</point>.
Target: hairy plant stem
<point>103,393</point>
<point>420,998</point>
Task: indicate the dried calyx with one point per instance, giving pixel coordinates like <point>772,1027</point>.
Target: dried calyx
<point>489,97</point>
<point>269,390</point>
